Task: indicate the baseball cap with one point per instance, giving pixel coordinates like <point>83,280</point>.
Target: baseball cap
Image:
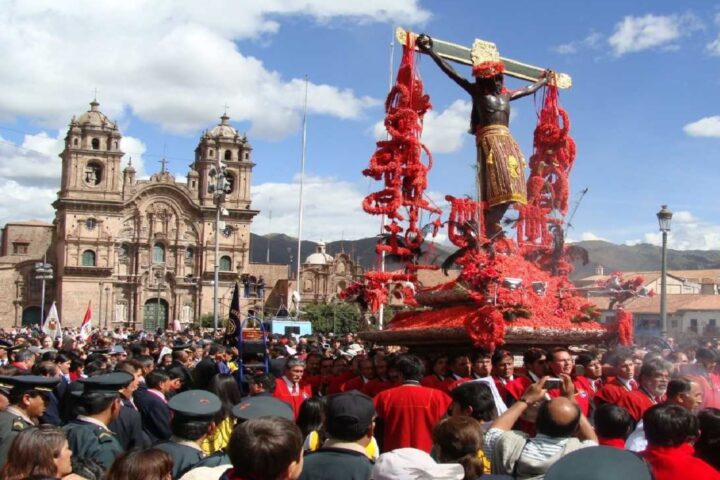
<point>349,415</point>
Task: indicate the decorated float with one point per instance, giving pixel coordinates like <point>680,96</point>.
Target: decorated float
<point>512,288</point>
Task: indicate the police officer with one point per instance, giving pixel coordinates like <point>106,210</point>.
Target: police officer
<point>99,404</point>
<point>27,397</point>
<point>193,420</point>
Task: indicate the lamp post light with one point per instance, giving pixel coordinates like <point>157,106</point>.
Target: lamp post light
<point>43,271</point>
<point>664,217</point>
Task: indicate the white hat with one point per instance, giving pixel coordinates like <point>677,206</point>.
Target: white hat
<point>413,464</point>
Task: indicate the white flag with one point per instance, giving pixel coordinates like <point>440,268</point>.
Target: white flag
<point>51,326</point>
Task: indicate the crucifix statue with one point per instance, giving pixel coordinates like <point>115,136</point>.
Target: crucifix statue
<point>163,162</point>
<point>500,162</point>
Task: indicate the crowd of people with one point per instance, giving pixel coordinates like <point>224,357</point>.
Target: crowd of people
<point>181,405</point>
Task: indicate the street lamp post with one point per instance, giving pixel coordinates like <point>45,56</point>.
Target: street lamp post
<point>664,218</point>
<point>43,271</point>
<point>218,190</point>
<point>107,305</point>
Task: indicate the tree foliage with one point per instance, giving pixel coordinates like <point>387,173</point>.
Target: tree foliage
<point>339,318</point>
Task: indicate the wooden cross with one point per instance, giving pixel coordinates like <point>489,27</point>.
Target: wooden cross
<point>461,54</point>
<point>163,162</point>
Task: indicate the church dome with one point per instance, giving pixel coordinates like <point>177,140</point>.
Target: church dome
<point>320,257</point>
<point>94,117</point>
<point>223,129</point>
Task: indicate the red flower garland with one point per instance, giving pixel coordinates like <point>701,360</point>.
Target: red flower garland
<point>625,326</point>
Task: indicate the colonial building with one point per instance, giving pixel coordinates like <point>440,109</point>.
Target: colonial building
<point>324,276</point>
<point>142,251</point>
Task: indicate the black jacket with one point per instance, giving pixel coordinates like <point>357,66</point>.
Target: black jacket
<point>155,415</point>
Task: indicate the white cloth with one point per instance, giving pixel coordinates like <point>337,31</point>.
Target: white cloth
<point>637,442</point>
<point>413,464</point>
<point>500,406</point>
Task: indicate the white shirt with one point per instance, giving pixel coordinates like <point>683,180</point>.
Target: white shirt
<point>637,442</point>
<point>290,385</point>
<point>626,383</point>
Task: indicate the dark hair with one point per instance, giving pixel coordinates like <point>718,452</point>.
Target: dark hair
<point>155,378</point>
<point>265,380</point>
<point>612,421</point>
<point>553,351</point>
<point>45,369</point>
<point>189,428</point>
<point>547,425</point>
<point>62,358</point>
<point>33,452</point>
<point>669,425</point>
<point>499,355</point>
<point>263,448</point>
<point>477,395</point>
<point>150,464</point>
<point>480,353</point>
<point>97,367</point>
<point>311,415</point>
<point>128,366</point>
<point>226,388</point>
<point>95,402</point>
<point>215,348</point>
<point>145,361</point>
<point>453,358</point>
<point>410,367</point>
<point>24,355</point>
<point>586,359</point>
<point>679,385</point>
<point>533,354</point>
<point>707,447</point>
<point>459,439</point>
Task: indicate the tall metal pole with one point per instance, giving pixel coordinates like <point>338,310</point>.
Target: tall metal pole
<point>42,293</point>
<point>302,182</point>
<point>216,277</point>
<point>663,289</point>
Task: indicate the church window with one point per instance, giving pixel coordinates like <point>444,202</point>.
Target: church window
<point>90,223</point>
<point>247,156</point>
<point>211,153</point>
<point>124,251</point>
<point>159,253</point>
<point>20,248</point>
<point>93,173</point>
<point>229,182</point>
<point>76,142</point>
<point>225,264</point>
<point>228,155</point>
<point>115,145</point>
<point>88,258</point>
<point>95,144</point>
<point>189,255</point>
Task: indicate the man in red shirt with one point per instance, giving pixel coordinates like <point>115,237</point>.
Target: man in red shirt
<point>535,363</point>
<point>591,379</point>
<point>623,383</point>
<point>654,379</point>
<point>704,373</point>
<point>503,366</point>
<point>561,363</point>
<point>438,377</point>
<point>367,373</point>
<point>382,381</point>
<point>290,388</point>
<point>407,414</point>
<point>669,430</point>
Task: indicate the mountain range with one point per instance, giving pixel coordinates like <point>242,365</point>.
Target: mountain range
<point>281,248</point>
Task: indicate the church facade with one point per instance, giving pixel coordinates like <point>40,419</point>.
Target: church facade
<point>142,252</point>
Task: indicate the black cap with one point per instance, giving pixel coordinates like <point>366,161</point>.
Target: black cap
<point>199,404</point>
<point>705,354</point>
<point>262,406</point>
<point>23,383</point>
<point>182,346</point>
<point>598,463</point>
<point>5,345</point>
<point>349,415</point>
<point>103,350</point>
<point>109,383</point>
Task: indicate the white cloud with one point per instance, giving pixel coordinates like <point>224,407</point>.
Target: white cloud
<point>634,34</point>
<point>688,233</point>
<point>172,63</point>
<point>332,209</point>
<point>134,149</point>
<point>443,132</point>
<point>23,202</point>
<point>589,236</point>
<point>705,127</point>
<point>713,47</point>
<point>592,41</point>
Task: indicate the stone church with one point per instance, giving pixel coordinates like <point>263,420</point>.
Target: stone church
<point>141,251</point>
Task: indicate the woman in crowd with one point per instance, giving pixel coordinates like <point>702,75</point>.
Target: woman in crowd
<point>226,388</point>
<point>39,452</point>
<point>152,464</point>
<point>459,439</point>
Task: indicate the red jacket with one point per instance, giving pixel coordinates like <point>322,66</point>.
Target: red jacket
<point>375,386</point>
<point>592,387</point>
<point>612,392</point>
<point>282,392</point>
<point>710,386</point>
<point>356,383</point>
<point>673,463</point>
<point>409,414</point>
<point>636,402</point>
<point>434,381</point>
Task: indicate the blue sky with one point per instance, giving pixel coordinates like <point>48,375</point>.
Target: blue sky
<point>644,106</point>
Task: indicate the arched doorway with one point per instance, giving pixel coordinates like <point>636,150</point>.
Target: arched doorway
<point>155,314</point>
<point>31,316</point>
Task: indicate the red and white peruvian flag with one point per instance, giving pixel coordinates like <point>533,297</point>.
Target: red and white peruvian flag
<point>86,326</point>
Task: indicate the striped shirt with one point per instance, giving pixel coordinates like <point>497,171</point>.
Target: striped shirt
<point>538,448</point>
